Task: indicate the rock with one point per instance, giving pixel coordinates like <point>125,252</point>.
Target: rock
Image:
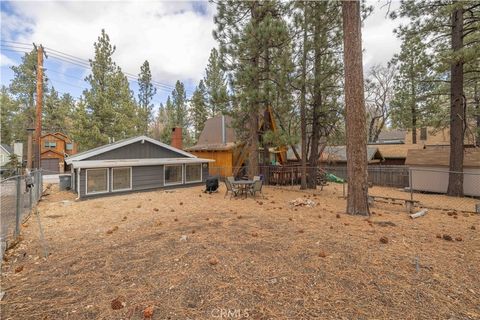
<point>338,215</point>
<point>322,254</point>
<point>213,261</point>
<point>254,234</point>
<point>148,312</point>
<point>156,209</point>
<point>118,303</point>
<point>473,227</point>
<point>300,202</point>
<point>458,239</point>
<point>439,236</point>
<point>183,238</point>
<point>301,231</point>
<point>139,206</point>
<point>181,203</point>
<point>176,219</point>
<point>18,269</point>
<point>447,237</point>
<point>384,240</point>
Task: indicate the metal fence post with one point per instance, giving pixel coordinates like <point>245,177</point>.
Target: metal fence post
<point>18,206</point>
<point>410,183</point>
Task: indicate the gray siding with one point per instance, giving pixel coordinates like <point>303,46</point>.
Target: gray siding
<point>147,177</point>
<point>143,178</point>
<point>138,150</point>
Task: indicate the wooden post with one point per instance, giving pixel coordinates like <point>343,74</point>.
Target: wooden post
<point>29,148</point>
<point>38,112</point>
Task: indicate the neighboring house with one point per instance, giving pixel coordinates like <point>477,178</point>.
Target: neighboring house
<point>395,144</point>
<point>394,136</point>
<point>429,136</point>
<point>55,147</point>
<point>337,156</point>
<point>5,152</point>
<point>429,169</point>
<point>134,164</point>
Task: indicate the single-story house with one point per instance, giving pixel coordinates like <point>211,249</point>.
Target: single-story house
<point>134,164</point>
<point>429,169</point>
<point>5,152</point>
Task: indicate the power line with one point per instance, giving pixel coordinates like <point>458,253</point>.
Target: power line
<point>79,62</point>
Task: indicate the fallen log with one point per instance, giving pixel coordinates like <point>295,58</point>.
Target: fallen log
<point>419,214</point>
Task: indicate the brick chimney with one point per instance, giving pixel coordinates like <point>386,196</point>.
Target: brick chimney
<point>177,138</point>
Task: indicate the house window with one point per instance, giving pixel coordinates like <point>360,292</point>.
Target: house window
<point>50,144</point>
<point>173,174</point>
<point>423,134</point>
<point>97,181</point>
<point>69,146</point>
<point>193,172</point>
<point>122,179</point>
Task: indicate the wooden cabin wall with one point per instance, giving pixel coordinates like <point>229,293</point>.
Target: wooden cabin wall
<point>223,165</point>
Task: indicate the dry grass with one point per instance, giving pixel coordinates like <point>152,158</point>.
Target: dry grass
<point>264,261</point>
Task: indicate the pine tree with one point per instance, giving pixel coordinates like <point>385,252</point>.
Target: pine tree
<point>9,109</point>
<point>199,113</point>
<point>355,111</point>
<point>452,30</point>
<point>146,92</point>
<point>57,112</point>
<point>23,88</point>
<point>109,103</point>
<point>415,101</point>
<point>256,50</point>
<point>215,85</point>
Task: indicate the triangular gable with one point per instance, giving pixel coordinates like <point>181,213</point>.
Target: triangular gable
<point>53,151</point>
<point>119,144</point>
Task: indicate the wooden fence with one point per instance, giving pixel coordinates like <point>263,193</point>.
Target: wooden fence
<point>390,176</point>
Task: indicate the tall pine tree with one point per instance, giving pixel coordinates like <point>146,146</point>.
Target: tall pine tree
<point>146,91</point>
<point>215,86</point>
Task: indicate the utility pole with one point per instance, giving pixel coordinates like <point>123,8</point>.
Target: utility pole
<point>38,110</point>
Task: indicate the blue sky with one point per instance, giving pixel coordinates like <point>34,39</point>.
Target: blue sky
<point>175,37</point>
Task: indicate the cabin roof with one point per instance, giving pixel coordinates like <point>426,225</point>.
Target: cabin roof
<point>8,149</point>
<point>339,154</point>
<point>434,157</point>
<point>112,146</point>
<point>211,137</point>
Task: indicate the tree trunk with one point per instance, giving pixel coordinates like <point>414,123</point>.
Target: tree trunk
<point>413,110</point>
<point>256,105</point>
<point>457,114</point>
<point>303,103</point>
<point>355,110</point>
<point>476,100</point>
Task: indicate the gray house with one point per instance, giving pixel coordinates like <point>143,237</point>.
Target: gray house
<point>134,164</point>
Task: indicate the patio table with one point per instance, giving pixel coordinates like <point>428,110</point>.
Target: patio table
<point>243,185</point>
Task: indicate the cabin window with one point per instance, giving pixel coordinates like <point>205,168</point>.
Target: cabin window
<point>423,134</point>
<point>122,179</point>
<point>50,144</point>
<point>193,172</point>
<point>69,146</point>
<point>97,180</point>
<point>173,174</point>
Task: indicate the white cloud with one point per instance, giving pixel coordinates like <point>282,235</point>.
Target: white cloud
<point>5,61</point>
<point>172,36</point>
<point>379,42</point>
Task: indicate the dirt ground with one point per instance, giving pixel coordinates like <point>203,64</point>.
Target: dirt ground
<point>190,255</point>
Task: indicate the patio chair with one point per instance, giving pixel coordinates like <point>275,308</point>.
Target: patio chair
<point>230,188</point>
<point>257,187</point>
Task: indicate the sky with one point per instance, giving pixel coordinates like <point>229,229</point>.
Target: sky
<point>174,36</point>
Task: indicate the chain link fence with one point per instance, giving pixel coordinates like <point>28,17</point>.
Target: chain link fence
<point>388,185</point>
<point>18,196</point>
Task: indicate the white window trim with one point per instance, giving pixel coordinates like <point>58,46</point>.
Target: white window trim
<point>174,183</point>
<point>97,192</point>
<point>201,172</point>
<point>113,176</point>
